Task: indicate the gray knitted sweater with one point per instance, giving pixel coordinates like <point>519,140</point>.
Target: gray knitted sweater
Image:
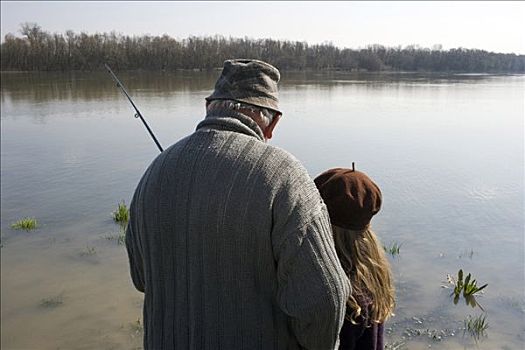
<point>231,244</point>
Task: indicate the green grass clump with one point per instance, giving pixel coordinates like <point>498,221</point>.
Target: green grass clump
<point>467,287</point>
<point>476,326</point>
<point>470,288</point>
<point>393,249</point>
<point>121,215</point>
<point>27,224</point>
<point>52,301</point>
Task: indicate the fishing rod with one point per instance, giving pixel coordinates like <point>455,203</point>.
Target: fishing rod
<point>137,112</point>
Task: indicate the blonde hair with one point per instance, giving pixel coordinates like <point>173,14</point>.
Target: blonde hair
<point>364,261</point>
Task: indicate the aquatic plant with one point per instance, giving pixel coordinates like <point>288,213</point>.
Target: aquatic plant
<point>470,287</point>
<point>136,327</point>
<point>396,345</point>
<point>393,249</point>
<point>466,287</point>
<point>121,215</point>
<point>89,251</point>
<point>27,224</point>
<point>458,285</point>
<point>53,301</point>
<point>467,254</point>
<point>476,326</point>
<point>120,237</point>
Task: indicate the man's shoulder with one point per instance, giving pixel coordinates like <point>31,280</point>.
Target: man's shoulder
<point>282,154</point>
<point>255,151</point>
<point>286,164</point>
<point>157,162</point>
<point>270,160</point>
<point>172,150</point>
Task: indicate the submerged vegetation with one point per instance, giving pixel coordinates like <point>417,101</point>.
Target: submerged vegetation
<point>41,50</point>
<point>121,215</point>
<point>393,249</point>
<point>89,251</point>
<point>27,224</point>
<point>476,327</point>
<point>120,237</point>
<point>137,328</point>
<point>53,301</point>
<point>467,254</point>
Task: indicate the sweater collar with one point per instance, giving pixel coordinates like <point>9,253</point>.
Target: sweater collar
<point>224,119</point>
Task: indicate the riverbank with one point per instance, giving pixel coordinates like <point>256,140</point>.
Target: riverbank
<point>305,71</point>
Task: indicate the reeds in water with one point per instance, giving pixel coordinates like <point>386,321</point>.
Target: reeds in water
<point>393,249</point>
<point>89,251</point>
<point>121,215</point>
<point>476,327</point>
<point>120,237</point>
<point>467,254</point>
<point>136,328</point>
<point>53,301</point>
<point>27,224</point>
<point>467,287</point>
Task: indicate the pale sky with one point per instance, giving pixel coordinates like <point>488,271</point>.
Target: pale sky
<point>492,26</point>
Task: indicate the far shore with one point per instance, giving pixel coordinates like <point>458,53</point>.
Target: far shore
<point>360,71</point>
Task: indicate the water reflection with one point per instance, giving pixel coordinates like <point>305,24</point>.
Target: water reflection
<point>333,78</point>
<point>75,86</point>
<point>46,86</point>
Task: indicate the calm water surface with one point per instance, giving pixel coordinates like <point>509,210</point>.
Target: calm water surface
<point>447,152</point>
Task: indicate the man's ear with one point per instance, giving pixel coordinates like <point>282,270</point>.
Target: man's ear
<point>268,132</point>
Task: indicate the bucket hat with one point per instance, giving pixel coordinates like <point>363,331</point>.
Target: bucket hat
<point>249,81</point>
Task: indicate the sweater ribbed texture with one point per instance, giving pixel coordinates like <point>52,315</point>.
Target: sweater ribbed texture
<point>231,244</point>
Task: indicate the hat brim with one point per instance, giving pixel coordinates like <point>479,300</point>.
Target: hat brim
<point>256,101</point>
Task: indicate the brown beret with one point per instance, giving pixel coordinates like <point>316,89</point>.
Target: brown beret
<point>249,81</point>
<point>351,196</point>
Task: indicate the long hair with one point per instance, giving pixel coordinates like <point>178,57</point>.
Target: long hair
<point>364,261</point>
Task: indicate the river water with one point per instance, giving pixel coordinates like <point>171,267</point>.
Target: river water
<point>446,150</point>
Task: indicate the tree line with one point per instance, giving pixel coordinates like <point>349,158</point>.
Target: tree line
<point>39,50</point>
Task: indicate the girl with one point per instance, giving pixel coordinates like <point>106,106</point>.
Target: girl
<point>352,199</point>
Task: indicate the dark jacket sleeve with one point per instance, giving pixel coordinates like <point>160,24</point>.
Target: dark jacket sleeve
<point>134,246</point>
<point>136,265</point>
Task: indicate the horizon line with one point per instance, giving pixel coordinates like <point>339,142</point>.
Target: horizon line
<point>324,43</point>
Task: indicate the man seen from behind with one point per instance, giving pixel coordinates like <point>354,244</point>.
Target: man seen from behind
<point>228,237</point>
